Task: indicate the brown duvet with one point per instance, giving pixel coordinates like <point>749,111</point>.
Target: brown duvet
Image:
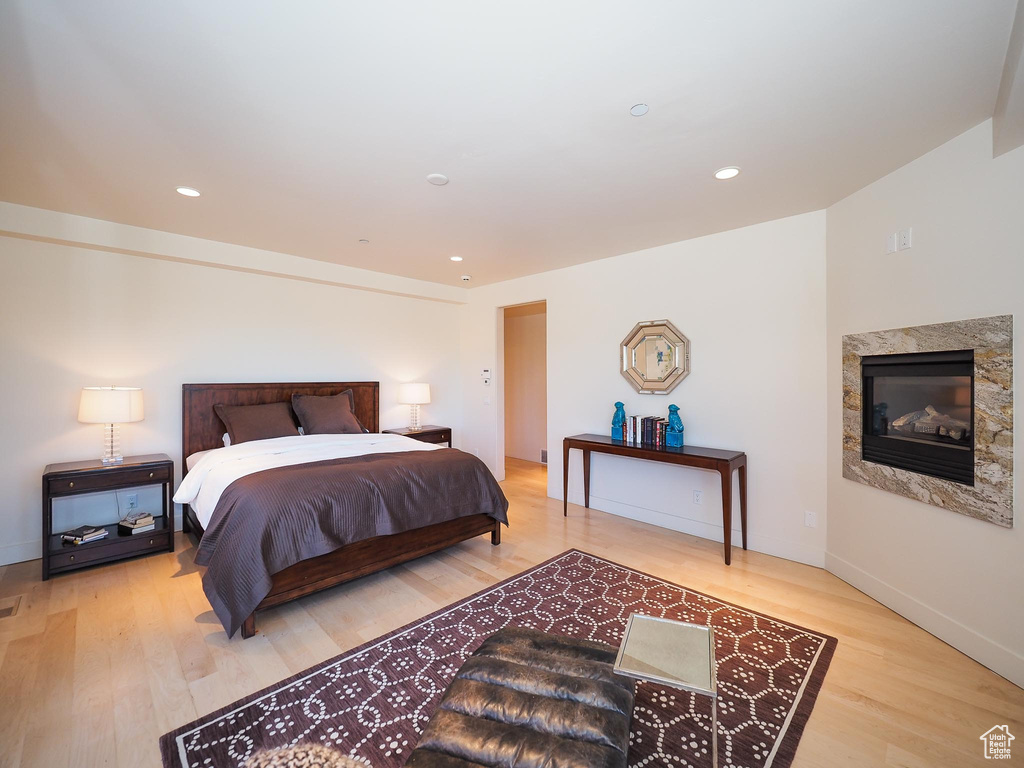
<point>270,520</point>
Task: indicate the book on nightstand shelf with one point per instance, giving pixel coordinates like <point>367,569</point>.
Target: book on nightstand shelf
<point>137,522</point>
<point>83,534</point>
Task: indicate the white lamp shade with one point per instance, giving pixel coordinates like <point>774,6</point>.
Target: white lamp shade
<point>414,394</point>
<point>110,405</point>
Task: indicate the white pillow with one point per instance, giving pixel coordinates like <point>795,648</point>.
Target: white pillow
<point>192,460</point>
<point>226,439</point>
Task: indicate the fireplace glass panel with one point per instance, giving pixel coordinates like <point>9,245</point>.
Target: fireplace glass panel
<point>932,408</point>
<point>918,411</point>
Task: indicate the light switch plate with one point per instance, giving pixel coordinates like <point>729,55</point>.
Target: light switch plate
<point>890,243</point>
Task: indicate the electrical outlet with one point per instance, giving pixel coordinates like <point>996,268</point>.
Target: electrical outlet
<point>698,497</point>
<point>810,519</point>
<point>904,238</point>
<point>133,501</point>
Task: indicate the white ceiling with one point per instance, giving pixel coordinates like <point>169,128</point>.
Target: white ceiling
<point>310,125</point>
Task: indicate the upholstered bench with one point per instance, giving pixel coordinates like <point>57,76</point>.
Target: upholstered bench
<point>527,699</point>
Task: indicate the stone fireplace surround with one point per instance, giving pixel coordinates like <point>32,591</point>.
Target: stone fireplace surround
<point>991,338</point>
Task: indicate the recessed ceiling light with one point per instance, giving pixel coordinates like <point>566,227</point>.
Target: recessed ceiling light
<point>638,110</point>
<point>729,172</point>
<point>188,192</point>
<point>437,179</point>
<point>455,258</point>
<point>364,242</point>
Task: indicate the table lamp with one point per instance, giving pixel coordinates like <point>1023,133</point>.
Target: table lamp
<point>414,395</point>
<point>111,407</point>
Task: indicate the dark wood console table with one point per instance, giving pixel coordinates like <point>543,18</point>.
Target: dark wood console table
<point>723,462</point>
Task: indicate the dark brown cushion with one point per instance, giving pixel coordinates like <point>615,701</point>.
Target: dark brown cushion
<point>257,422</point>
<point>327,414</point>
<point>526,699</point>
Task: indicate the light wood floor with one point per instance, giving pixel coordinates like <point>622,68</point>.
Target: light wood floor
<point>97,664</point>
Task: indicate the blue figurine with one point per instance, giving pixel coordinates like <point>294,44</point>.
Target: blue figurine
<point>674,436</point>
<point>618,421</point>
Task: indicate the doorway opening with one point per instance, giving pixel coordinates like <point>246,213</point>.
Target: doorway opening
<point>525,386</point>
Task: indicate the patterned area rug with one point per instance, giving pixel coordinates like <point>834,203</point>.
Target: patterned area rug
<point>373,702</point>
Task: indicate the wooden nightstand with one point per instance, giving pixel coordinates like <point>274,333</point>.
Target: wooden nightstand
<point>77,477</point>
<point>430,433</point>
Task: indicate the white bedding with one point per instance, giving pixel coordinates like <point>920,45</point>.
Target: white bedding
<point>218,468</point>
<point>192,460</point>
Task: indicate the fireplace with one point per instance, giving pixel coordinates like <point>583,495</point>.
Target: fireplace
<point>918,413</point>
<point>892,441</point>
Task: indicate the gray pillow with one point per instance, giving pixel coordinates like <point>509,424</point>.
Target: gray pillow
<point>327,414</point>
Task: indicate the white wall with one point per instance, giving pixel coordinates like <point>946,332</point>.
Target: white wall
<point>525,382</point>
<point>959,578</point>
<point>71,317</point>
<point>751,302</point>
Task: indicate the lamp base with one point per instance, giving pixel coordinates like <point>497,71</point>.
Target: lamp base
<point>414,418</point>
<point>111,445</point>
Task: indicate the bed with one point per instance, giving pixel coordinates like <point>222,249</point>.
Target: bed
<point>202,430</point>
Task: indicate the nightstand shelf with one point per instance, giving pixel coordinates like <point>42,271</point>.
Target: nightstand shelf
<point>430,433</point>
<point>117,545</point>
<point>82,477</point>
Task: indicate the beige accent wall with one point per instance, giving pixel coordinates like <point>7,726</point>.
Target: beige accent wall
<point>526,403</point>
<point>961,579</point>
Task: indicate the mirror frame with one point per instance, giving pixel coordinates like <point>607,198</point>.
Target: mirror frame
<point>681,354</point>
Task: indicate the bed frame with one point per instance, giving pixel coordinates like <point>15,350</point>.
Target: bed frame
<point>202,430</point>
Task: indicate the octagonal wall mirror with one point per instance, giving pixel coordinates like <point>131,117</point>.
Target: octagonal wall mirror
<point>655,357</point>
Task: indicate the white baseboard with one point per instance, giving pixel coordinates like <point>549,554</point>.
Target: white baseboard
<point>1000,659</point>
<point>19,553</point>
<point>768,545</point>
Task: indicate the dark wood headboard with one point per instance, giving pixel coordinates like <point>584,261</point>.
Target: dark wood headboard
<point>201,429</point>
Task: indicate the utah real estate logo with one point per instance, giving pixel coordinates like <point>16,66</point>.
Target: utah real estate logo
<point>997,742</point>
